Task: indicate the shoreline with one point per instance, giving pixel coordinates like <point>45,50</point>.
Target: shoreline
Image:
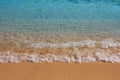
<point>63,58</point>
<point>18,47</point>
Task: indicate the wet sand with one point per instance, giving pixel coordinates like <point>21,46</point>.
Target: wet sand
<point>60,71</point>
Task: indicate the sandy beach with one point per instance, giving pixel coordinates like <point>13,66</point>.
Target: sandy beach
<point>60,71</point>
<point>59,39</point>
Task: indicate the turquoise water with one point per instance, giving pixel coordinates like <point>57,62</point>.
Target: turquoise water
<point>59,10</point>
<point>59,30</point>
<point>79,16</point>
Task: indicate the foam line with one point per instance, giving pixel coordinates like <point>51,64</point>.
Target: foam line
<point>89,43</point>
<point>7,57</point>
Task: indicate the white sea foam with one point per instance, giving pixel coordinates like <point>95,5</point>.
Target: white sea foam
<point>109,43</point>
<point>15,58</point>
<point>75,56</point>
<point>89,43</point>
<point>30,58</point>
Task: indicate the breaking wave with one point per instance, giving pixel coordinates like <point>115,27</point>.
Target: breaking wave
<point>107,43</point>
<point>6,57</point>
<point>103,52</point>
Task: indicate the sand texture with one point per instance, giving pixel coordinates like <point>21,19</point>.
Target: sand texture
<point>60,71</point>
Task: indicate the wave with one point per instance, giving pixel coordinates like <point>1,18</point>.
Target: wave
<point>7,57</point>
<point>107,43</point>
<point>93,52</point>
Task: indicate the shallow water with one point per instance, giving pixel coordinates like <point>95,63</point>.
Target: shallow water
<point>79,16</point>
<point>60,27</point>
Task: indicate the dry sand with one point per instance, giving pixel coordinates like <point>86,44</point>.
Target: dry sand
<point>60,71</point>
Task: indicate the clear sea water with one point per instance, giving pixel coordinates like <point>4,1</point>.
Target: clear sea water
<point>26,26</point>
<point>60,16</point>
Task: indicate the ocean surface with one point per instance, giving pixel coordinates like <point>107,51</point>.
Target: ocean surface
<point>59,30</point>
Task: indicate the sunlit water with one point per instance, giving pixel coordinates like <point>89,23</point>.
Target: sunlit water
<point>69,27</point>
